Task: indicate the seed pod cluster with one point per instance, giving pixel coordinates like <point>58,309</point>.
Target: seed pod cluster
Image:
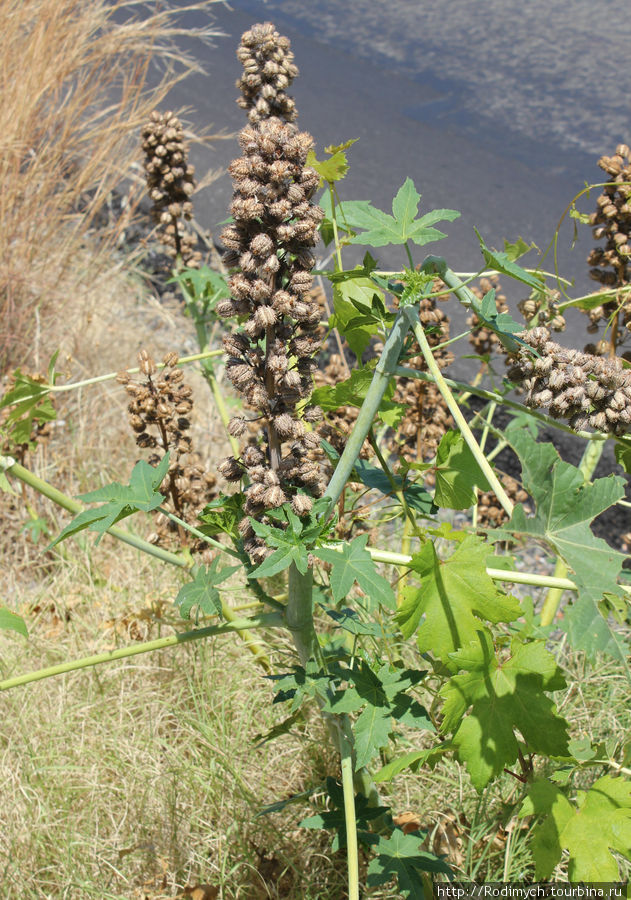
<point>270,359</point>
<point>589,391</point>
<point>543,312</point>
<point>427,419</point>
<point>159,411</point>
<point>268,70</point>
<point>170,184</point>
<point>611,263</point>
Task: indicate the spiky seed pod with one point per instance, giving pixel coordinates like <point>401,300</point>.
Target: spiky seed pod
<point>269,69</point>
<point>170,183</point>
<point>589,391</point>
<point>611,264</point>
<point>270,239</point>
<point>157,411</point>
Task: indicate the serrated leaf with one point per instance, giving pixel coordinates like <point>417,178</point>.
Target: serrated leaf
<point>10,621</point>
<point>31,404</point>
<point>222,515</point>
<point>382,229</point>
<point>334,168</point>
<point>601,823</point>
<point>565,508</point>
<point>457,473</point>
<point>352,392</point>
<point>120,500</point>
<point>505,696</point>
<point>349,620</point>
<point>201,593</point>
<point>348,295</point>
<point>416,495</point>
<point>353,563</point>
<point>455,596</point>
<point>413,760</point>
<point>400,856</point>
<point>501,262</point>
<point>622,452</point>
<point>518,249</point>
<point>334,818</point>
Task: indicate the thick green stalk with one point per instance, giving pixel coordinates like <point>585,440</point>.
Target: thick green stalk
<point>380,380</point>
<point>587,467</point>
<point>500,398</point>
<point>412,316</point>
<point>66,502</point>
<point>351,826</point>
<point>271,620</point>
<point>299,613</point>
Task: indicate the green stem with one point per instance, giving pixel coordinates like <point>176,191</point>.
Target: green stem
<point>409,255</point>
<point>395,488</point>
<point>510,576</point>
<point>483,440</point>
<point>110,376</point>
<point>412,316</point>
<point>47,490</point>
<point>299,613</point>
<point>270,620</point>
<point>587,467</point>
<point>198,534</point>
<point>351,825</point>
<point>380,380</point>
<point>500,398</point>
<point>406,542</point>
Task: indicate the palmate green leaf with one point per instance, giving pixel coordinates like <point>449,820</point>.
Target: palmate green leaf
<point>518,249</point>
<point>381,229</point>
<point>565,508</point>
<point>352,299</point>
<point>503,696</point>
<point>201,593</point>
<point>222,515</point>
<point>121,500</point>
<point>352,392</point>
<point>334,168</point>
<point>353,563</point>
<point>622,452</point>
<point>600,823</point>
<point>457,473</point>
<point>300,684</point>
<point>400,856</point>
<point>32,404</point>
<point>335,819</point>
<point>455,596</point>
<point>416,495</point>
<point>381,696</point>
<point>10,621</point>
<point>413,760</point>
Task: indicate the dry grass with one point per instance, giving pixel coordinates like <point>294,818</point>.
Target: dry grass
<point>74,81</point>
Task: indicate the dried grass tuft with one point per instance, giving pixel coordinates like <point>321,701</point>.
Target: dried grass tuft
<point>75,81</point>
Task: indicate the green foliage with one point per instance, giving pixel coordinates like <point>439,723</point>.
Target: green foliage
<point>416,496</point>
<point>334,819</point>
<point>10,621</point>
<point>32,406</point>
<point>400,856</point>
<point>201,593</point>
<point>455,596</point>
<point>503,262</point>
<point>334,168</point>
<point>503,695</point>
<point>380,229</point>
<point>292,539</point>
<point>352,392</point>
<point>351,563</point>
<point>599,823</point>
<point>457,473</point>
<point>565,508</point>
<point>120,500</point>
<point>203,288</point>
<point>222,516</point>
